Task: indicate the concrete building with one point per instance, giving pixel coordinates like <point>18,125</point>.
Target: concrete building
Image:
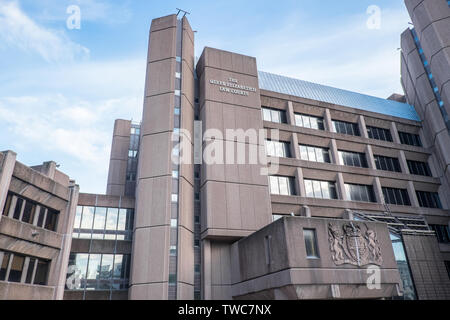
<point>358,206</point>
<point>38,209</point>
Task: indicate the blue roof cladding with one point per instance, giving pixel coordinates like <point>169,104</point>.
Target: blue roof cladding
<point>313,91</point>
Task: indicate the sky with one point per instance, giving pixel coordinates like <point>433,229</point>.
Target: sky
<point>62,88</point>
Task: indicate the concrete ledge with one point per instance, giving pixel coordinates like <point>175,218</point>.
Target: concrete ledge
<point>17,291</point>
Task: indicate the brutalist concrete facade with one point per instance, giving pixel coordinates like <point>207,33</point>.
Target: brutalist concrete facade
<point>36,221</point>
<point>359,206</point>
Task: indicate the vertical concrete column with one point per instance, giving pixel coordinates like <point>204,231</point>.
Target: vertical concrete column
<point>149,276</point>
<point>7,163</point>
<point>300,184</point>
<point>334,152</point>
<point>295,150</point>
<point>394,133</point>
<point>118,161</point>
<point>403,162</point>
<point>362,126</point>
<point>412,194</point>
<point>340,185</point>
<point>370,157</point>
<point>206,270</point>
<point>290,113</point>
<point>378,190</point>
<point>327,120</point>
<point>58,275</point>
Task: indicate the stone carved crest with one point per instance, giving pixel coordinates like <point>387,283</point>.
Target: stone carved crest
<point>349,245</point>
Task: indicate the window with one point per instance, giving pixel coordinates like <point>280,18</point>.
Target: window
<point>31,212</point>
<point>387,163</point>
<point>316,154</point>
<point>4,262</point>
<point>13,265</point>
<point>353,159</point>
<point>429,199</point>
<point>51,220</point>
<point>442,232</point>
<point>312,251</point>
<point>98,271</point>
<point>103,223</point>
<point>358,192</point>
<point>447,263</point>
<point>410,139</point>
<point>273,115</point>
<point>132,153</point>
<point>281,185</point>
<point>395,196</point>
<point>419,168</point>
<point>379,134</point>
<point>42,272</point>
<point>278,149</point>
<point>346,128</point>
<point>310,122</point>
<point>320,189</point>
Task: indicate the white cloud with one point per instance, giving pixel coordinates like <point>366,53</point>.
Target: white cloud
<point>18,30</point>
<point>342,53</point>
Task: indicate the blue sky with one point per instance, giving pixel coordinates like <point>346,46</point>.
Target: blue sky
<point>61,89</point>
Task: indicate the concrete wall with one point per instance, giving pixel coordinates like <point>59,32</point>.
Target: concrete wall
<point>119,158</point>
<point>282,270</point>
<point>29,240</point>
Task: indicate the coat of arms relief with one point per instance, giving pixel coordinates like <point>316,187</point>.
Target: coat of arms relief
<point>350,245</point>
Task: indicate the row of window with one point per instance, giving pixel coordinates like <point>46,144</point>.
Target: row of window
<point>103,223</point>
<point>282,185</point>
<point>98,271</point>
<point>30,212</point>
<point>338,126</point>
<point>348,158</point>
<point>23,269</point>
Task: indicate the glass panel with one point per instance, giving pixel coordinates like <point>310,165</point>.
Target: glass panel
<point>100,218</point>
<point>309,189</point>
<point>325,190</point>
<point>106,270</point>
<point>267,115</point>
<point>306,122</point>
<point>122,220</point>
<point>77,222</point>
<point>111,220</point>
<point>94,266</point>
<point>18,209</point>
<point>311,154</point>
<point>310,244</point>
<point>28,212</point>
<point>30,270</point>
<point>284,188</point>
<point>4,264</point>
<point>319,155</point>
<point>51,220</point>
<point>274,189</point>
<point>88,218</point>
<point>275,116</point>
<point>304,153</point>
<point>118,261</point>
<point>15,272</point>
<point>317,189</point>
<point>314,123</point>
<point>41,273</point>
<point>298,120</point>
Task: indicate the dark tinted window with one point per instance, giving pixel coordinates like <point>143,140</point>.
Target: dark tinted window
<point>41,273</point>
<point>51,220</point>
<point>429,199</point>
<point>15,273</point>
<point>379,134</point>
<point>419,168</point>
<point>396,196</point>
<point>442,232</point>
<point>410,139</point>
<point>387,164</point>
<point>4,264</point>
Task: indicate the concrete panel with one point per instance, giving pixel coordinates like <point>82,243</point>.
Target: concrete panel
<point>160,77</point>
<point>163,44</point>
<point>156,149</point>
<point>153,202</point>
<point>150,265</point>
<point>158,114</point>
